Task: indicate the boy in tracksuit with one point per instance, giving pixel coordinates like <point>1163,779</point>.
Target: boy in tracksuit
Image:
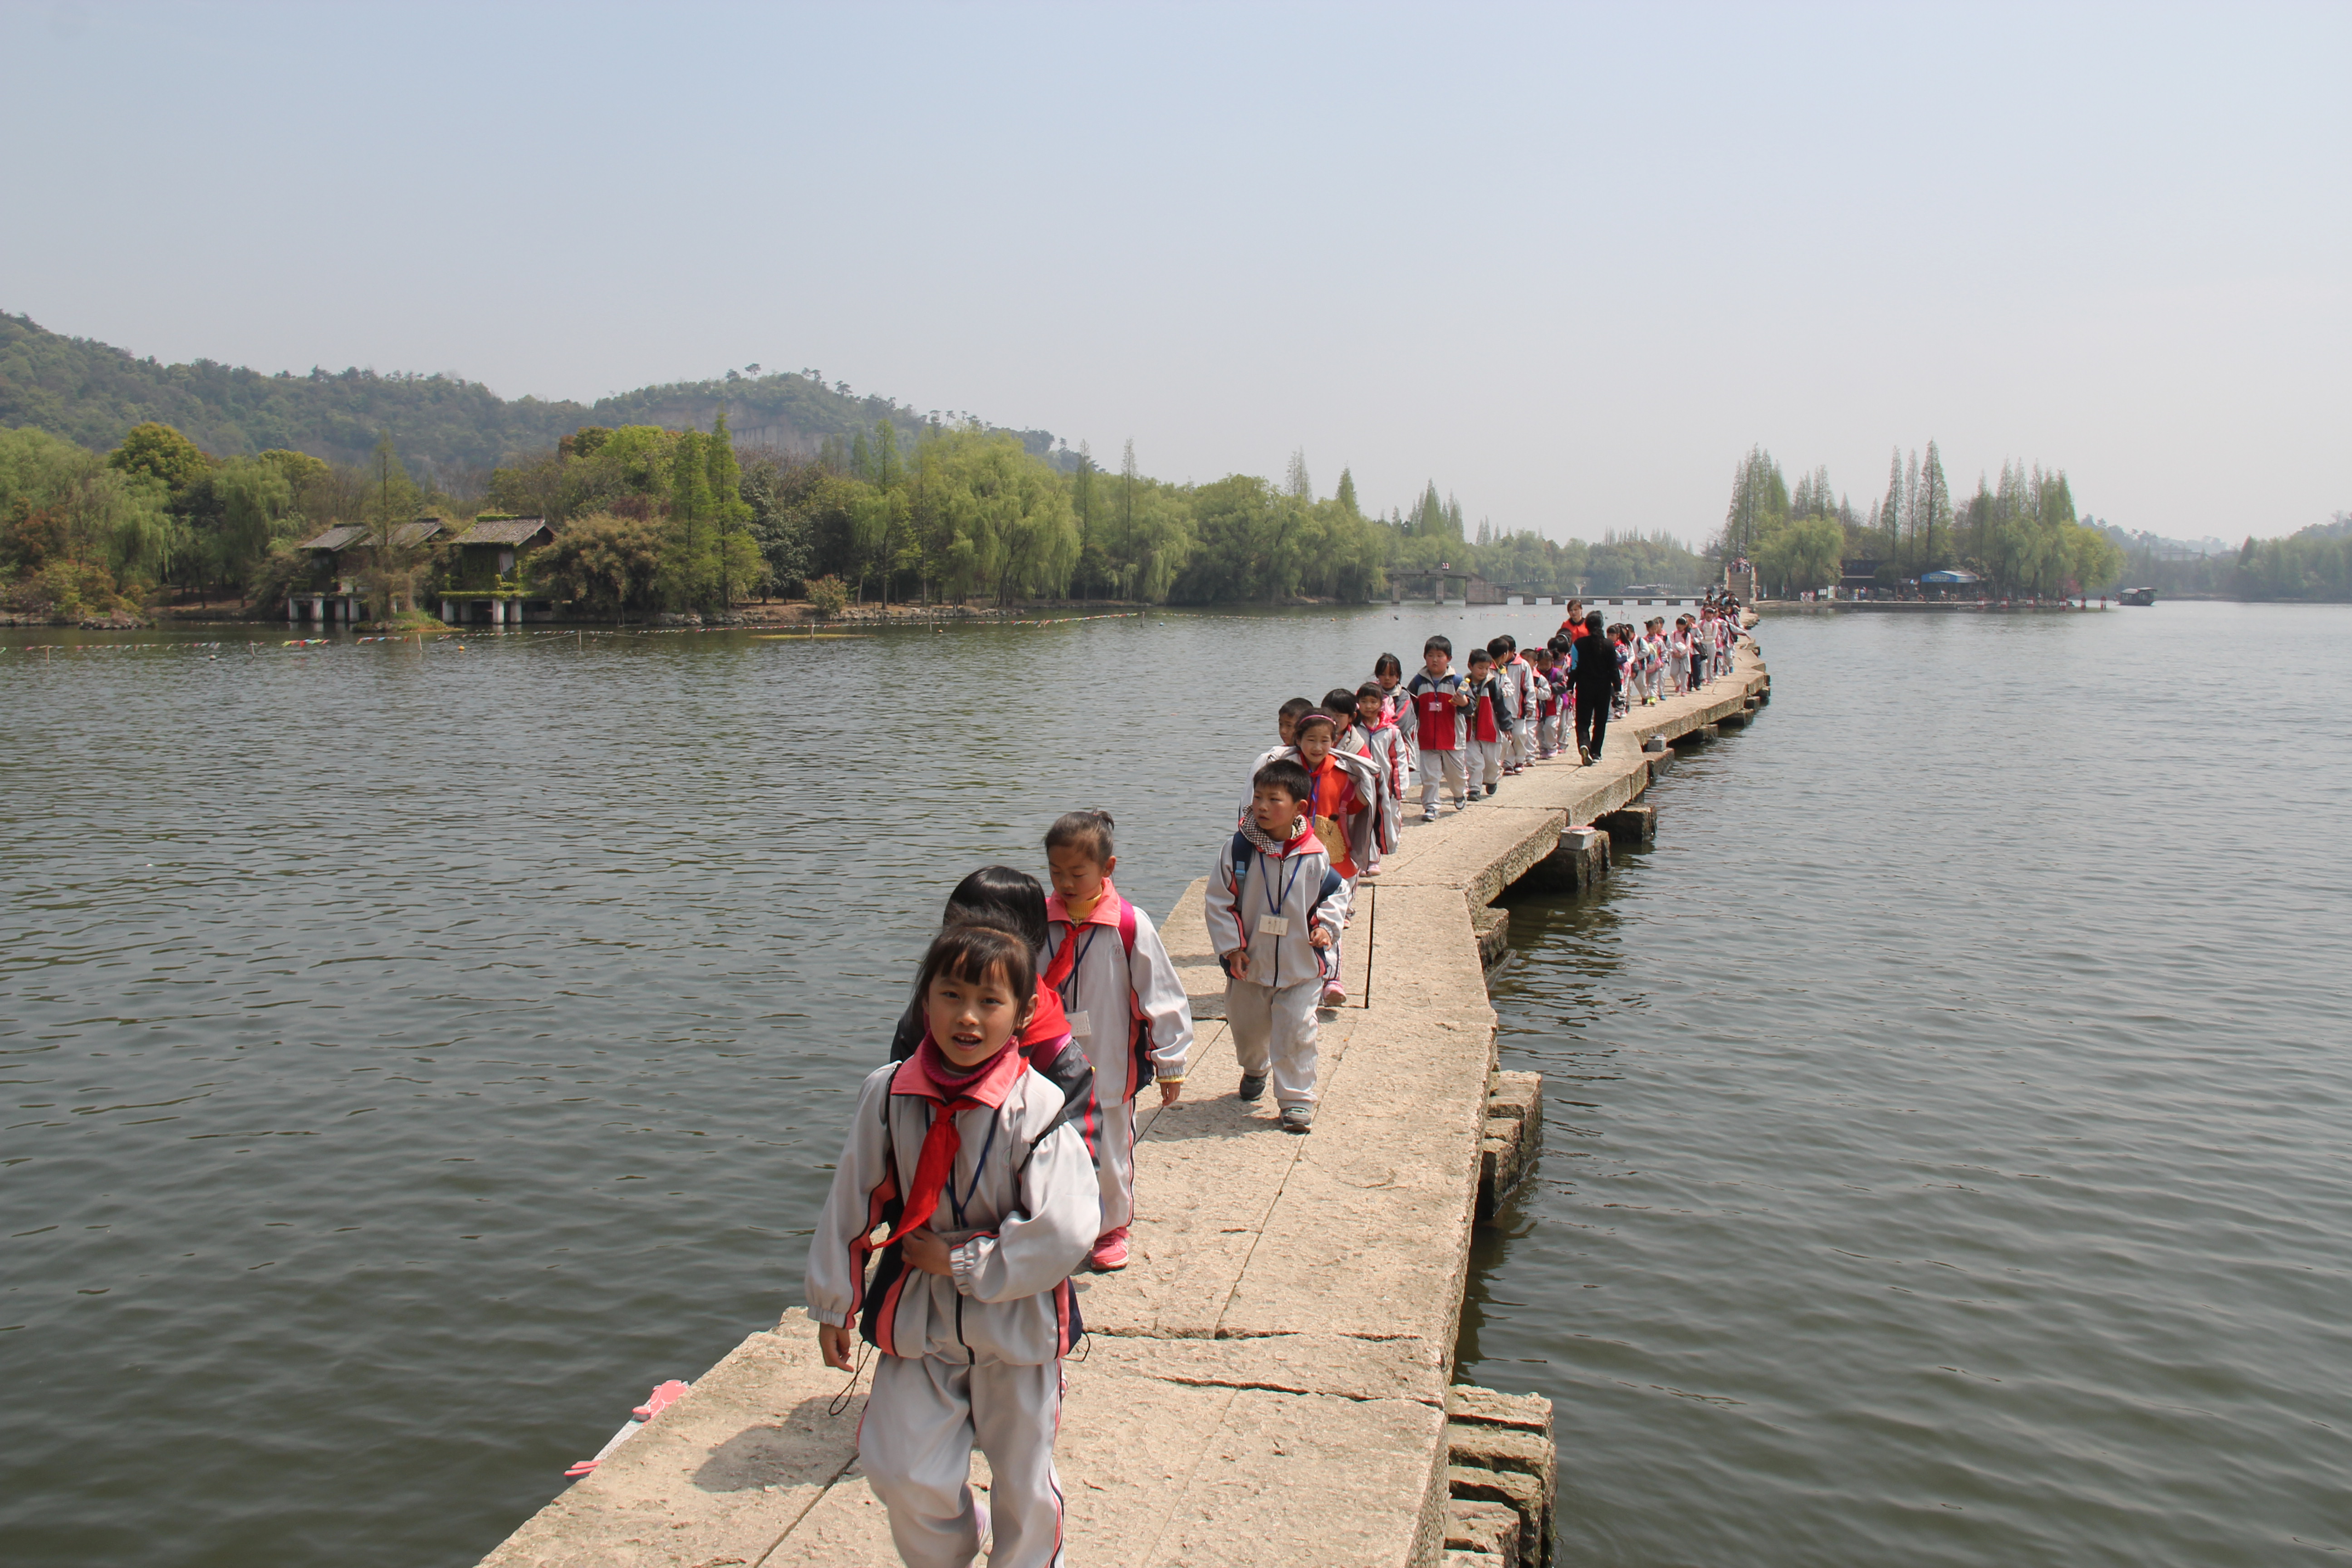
<point>1519,679</point>
<point>1274,911</point>
<point>1343,789</point>
<point>1286,721</point>
<point>1125,1005</point>
<point>1386,745</point>
<point>1488,718</point>
<point>1437,696</point>
<point>970,1158</point>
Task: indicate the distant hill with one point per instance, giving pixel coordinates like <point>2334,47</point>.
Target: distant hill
<point>2149,545</point>
<point>91,393</point>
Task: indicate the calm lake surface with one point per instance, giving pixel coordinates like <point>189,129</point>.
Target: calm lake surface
<point>412,1054</point>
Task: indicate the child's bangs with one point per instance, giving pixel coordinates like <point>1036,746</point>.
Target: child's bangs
<point>974,953</point>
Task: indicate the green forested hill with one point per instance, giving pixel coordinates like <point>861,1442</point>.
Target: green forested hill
<point>92,394</point>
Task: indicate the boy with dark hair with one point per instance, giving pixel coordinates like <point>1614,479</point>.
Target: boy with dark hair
<point>1387,747</point>
<point>1437,698</point>
<point>1127,1010</point>
<point>1286,721</point>
<point>1489,720</point>
<point>1274,911</point>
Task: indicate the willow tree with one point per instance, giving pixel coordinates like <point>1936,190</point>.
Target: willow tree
<point>396,548</point>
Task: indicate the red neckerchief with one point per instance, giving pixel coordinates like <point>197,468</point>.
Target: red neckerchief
<point>1048,1029</point>
<point>1104,913</point>
<point>935,1163</point>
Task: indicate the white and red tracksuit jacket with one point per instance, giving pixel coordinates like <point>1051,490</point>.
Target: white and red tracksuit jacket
<point>1296,886</point>
<point>1120,985</point>
<point>1019,1210</point>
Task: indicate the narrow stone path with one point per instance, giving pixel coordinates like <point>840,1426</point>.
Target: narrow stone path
<point>1266,1382</point>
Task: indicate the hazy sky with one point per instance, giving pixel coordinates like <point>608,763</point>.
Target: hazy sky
<point>1569,262</point>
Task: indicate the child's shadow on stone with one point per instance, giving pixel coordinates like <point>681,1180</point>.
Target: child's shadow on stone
<point>807,1446</point>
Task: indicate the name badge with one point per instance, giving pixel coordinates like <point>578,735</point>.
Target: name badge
<point>1274,925</point>
<point>1081,1025</point>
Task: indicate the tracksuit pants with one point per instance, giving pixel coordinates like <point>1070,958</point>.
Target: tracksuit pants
<point>1274,1033</point>
<point>1112,1136</point>
<point>1114,1158</point>
<point>1487,763</point>
<point>921,1423</point>
<point>1432,764</point>
<point>1698,671</point>
<point>1523,742</point>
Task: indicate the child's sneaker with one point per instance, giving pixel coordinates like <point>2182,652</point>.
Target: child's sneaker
<point>1109,1251</point>
<point>1429,814</point>
<point>1297,1117</point>
<point>1490,792</point>
<point>1334,996</point>
<point>1253,1088</point>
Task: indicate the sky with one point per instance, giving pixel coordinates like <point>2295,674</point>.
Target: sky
<point>1570,262</point>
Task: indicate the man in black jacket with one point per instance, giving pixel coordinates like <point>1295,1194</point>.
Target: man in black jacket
<point>1595,675</point>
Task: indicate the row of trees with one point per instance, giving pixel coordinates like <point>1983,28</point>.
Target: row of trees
<point>2021,535</point>
<point>651,518</point>
<point>962,511</point>
<point>89,532</point>
<point>2313,564</point>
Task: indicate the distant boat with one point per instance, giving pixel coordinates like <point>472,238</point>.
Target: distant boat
<point>2136,596</point>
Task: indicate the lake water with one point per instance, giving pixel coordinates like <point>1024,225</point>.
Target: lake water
<point>1946,1154</point>
<point>414,1053</point>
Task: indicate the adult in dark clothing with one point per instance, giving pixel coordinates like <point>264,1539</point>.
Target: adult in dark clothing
<point>1595,675</point>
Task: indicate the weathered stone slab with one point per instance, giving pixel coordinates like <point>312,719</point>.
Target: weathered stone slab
<point>1471,1406</point>
<point>1492,927</point>
<point>1628,825</point>
<point>1514,1137</point>
<point>723,1473</point>
<point>1523,1493</point>
<point>1487,1531</point>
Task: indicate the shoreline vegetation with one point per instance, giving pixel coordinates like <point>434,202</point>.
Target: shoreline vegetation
<point>2018,536</point>
<point>649,520</point>
<point>111,511</point>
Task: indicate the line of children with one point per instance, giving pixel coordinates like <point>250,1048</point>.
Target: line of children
<point>992,1156</point>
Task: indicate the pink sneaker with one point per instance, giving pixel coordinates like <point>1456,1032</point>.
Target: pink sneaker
<point>1333,996</point>
<point>1109,1251</point>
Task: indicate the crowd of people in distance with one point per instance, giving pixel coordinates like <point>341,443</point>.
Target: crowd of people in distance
<point>992,1157</point>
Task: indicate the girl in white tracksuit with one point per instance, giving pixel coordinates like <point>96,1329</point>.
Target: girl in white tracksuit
<point>1124,1004</point>
<point>1274,912</point>
<point>970,1158</point>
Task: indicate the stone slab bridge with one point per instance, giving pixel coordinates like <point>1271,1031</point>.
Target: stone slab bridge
<point>1271,1379</point>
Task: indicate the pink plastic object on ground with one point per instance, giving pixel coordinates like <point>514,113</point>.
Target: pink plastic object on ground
<point>659,1400</point>
<point>663,1396</point>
